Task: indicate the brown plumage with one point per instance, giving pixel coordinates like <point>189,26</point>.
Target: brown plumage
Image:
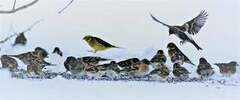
<point>176,54</point>
<point>227,69</point>
<point>204,68</point>
<point>159,58</point>
<point>20,40</point>
<point>160,73</point>
<point>9,62</point>
<point>180,72</point>
<point>140,68</point>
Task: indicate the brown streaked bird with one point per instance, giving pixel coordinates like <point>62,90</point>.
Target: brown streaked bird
<point>180,72</point>
<point>57,51</point>
<point>128,63</point>
<point>204,69</point>
<point>160,73</point>
<point>42,53</point>
<point>75,66</point>
<point>227,69</point>
<point>9,62</point>
<point>92,60</point>
<point>159,58</point>
<point>176,54</point>
<point>140,68</point>
<point>98,44</point>
<point>20,40</point>
<point>192,27</point>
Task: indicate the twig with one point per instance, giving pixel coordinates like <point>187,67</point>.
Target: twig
<point>14,4</point>
<point>28,29</point>
<point>66,7</point>
<point>19,8</point>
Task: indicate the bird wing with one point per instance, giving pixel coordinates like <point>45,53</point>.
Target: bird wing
<point>103,43</point>
<point>196,23</point>
<point>154,18</point>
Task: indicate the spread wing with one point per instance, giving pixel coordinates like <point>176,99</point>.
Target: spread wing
<point>196,23</point>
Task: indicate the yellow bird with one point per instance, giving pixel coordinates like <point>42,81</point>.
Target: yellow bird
<point>98,44</point>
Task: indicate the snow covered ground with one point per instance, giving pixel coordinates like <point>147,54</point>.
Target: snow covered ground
<point>125,23</point>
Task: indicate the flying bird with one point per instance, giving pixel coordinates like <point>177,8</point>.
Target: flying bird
<point>192,27</point>
<point>98,44</point>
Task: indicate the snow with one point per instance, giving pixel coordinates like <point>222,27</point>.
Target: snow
<point>125,23</point>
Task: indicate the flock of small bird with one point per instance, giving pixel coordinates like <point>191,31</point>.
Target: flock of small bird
<point>91,66</point>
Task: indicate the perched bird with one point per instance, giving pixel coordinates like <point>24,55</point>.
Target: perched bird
<point>180,72</point>
<point>176,54</point>
<point>9,62</point>
<point>192,27</point>
<point>204,68</point>
<point>20,40</point>
<point>58,51</point>
<point>73,65</point>
<point>92,60</point>
<point>109,70</point>
<point>160,73</point>
<point>42,53</point>
<point>126,65</point>
<point>159,58</point>
<point>140,68</point>
<point>227,69</point>
<point>98,44</point>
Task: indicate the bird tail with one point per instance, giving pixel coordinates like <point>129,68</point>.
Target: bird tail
<point>118,47</point>
<point>196,45</point>
<point>154,18</point>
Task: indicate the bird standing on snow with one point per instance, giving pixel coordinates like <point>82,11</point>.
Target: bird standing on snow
<point>160,73</point>
<point>176,54</point>
<point>227,69</point>
<point>20,40</point>
<point>159,58</point>
<point>192,27</point>
<point>180,72</point>
<point>204,68</point>
<point>98,44</point>
<point>8,62</point>
<point>140,68</point>
<point>58,51</point>
<point>109,70</point>
<point>74,66</point>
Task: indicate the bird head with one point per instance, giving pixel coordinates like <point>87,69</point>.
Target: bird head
<point>69,61</point>
<point>234,63</point>
<point>146,61</point>
<point>171,45</point>
<point>202,59</point>
<point>41,52</point>
<point>160,52</point>
<point>56,49</point>
<point>87,38</point>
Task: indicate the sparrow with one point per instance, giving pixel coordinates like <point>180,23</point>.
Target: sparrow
<point>110,70</point>
<point>204,68</point>
<point>140,68</point>
<point>9,62</point>
<point>127,65</point>
<point>20,40</point>
<point>192,27</point>
<point>160,73</point>
<point>73,65</point>
<point>92,60</point>
<point>180,72</point>
<point>176,54</point>
<point>98,44</point>
<point>227,69</point>
<point>41,52</point>
<point>57,51</point>
<point>159,58</point>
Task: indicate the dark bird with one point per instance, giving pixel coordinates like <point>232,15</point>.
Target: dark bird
<point>180,72</point>
<point>92,60</point>
<point>140,68</point>
<point>192,27</point>
<point>159,58</point>
<point>41,52</point>
<point>176,54</point>
<point>73,65</point>
<point>20,40</point>
<point>227,69</point>
<point>9,62</point>
<point>160,73</point>
<point>128,62</point>
<point>57,51</point>
<point>98,44</point>
<point>204,68</point>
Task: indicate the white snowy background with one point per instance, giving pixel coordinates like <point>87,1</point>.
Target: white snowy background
<point>125,23</point>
